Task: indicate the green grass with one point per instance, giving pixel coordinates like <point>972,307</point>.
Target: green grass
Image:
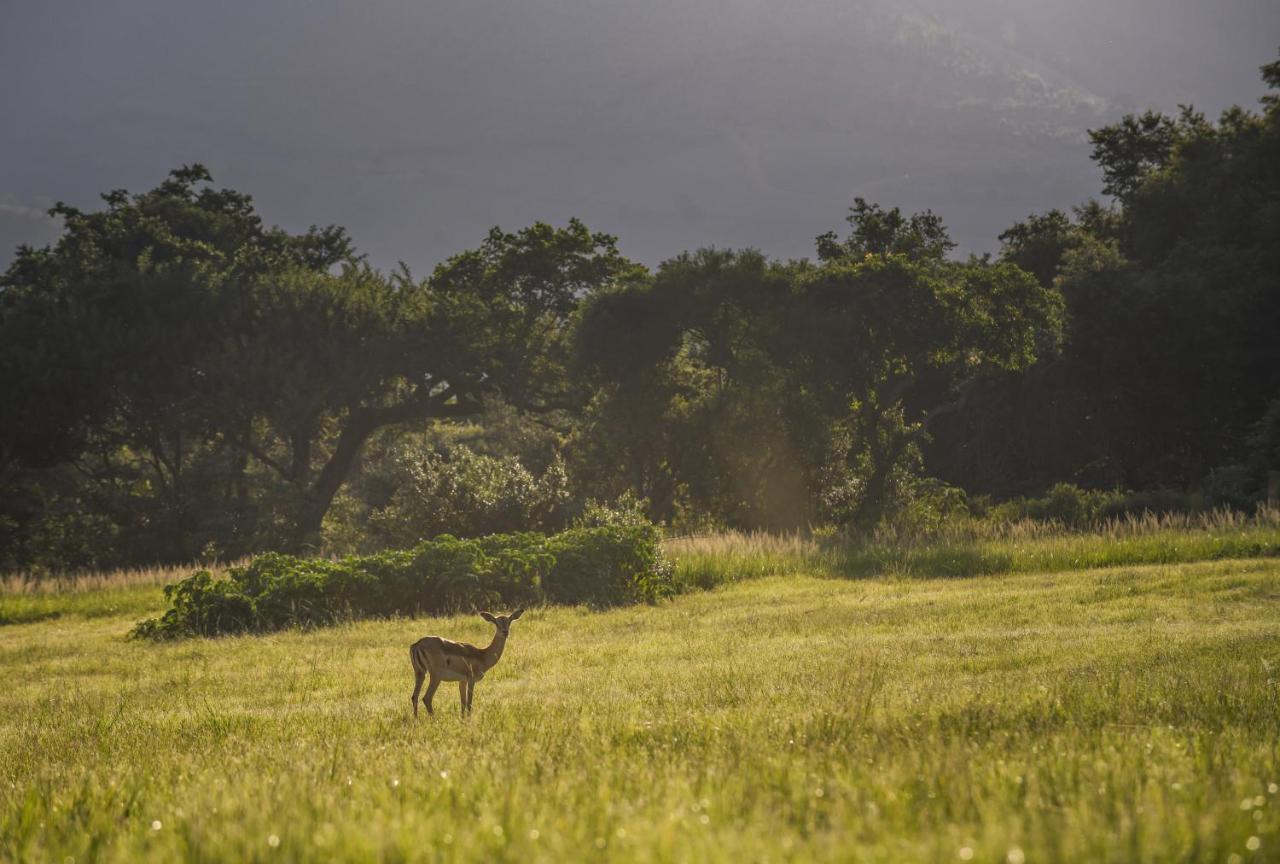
<point>967,549</point>
<point>24,599</point>
<point>106,602</point>
<point>1122,714</point>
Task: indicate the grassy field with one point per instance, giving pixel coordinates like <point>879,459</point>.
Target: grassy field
<point>86,595</point>
<point>1127,713</point>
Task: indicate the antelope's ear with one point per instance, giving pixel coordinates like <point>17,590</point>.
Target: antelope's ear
<point>516,614</point>
<point>486,616</point>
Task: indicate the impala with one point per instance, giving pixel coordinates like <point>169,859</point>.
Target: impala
<point>446,660</point>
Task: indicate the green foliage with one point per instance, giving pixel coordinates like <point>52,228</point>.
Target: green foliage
<point>468,494</point>
<point>781,395</point>
<point>607,565</point>
<point>1130,151</point>
<point>596,566</point>
<point>1067,505</point>
<point>214,380</point>
<point>691,411</point>
<point>1171,360</point>
<point>627,510</point>
<point>876,231</point>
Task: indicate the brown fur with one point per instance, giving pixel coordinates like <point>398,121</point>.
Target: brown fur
<point>446,660</point>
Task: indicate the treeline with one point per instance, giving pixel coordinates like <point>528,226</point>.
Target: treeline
<point>180,380</point>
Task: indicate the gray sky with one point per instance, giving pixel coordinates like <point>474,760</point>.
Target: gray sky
<point>419,124</point>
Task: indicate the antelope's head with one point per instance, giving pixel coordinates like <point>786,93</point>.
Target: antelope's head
<point>502,622</point>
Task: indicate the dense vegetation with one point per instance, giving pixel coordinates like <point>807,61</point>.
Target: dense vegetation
<point>598,566</point>
<point>182,382</point>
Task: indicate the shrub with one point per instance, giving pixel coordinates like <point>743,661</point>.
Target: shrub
<point>1079,509</point>
<point>467,494</point>
<point>606,565</point>
<point>601,566</point>
<point>627,509</point>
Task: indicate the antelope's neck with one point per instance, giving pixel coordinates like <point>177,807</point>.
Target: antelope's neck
<point>494,652</point>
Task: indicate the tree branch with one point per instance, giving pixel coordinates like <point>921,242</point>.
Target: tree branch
<point>438,406</point>
<point>361,423</point>
<point>261,455</point>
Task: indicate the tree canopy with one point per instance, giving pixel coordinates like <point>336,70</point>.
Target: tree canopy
<point>172,345</point>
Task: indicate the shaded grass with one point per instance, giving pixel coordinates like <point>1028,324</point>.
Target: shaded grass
<point>1124,714</point>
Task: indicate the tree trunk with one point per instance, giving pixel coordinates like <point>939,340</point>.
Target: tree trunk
<point>871,506</point>
<point>319,496</point>
<point>361,423</point>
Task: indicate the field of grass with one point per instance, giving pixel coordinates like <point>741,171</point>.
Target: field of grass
<point>86,595</point>
<point>1122,714</point>
<point>965,548</point>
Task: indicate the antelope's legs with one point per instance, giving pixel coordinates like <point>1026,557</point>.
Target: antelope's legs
<point>471,695</point>
<point>462,692</point>
<point>431,691</point>
<point>417,687</point>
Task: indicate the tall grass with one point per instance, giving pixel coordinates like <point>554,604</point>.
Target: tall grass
<point>968,547</point>
<point>25,598</point>
<point>706,561</point>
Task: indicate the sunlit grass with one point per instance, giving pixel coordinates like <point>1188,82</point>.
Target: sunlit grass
<point>1123,714</point>
<point>710,560</point>
<point>26,598</point>
<point>970,548</point>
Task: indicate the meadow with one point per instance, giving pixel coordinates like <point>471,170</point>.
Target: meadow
<point>1046,697</point>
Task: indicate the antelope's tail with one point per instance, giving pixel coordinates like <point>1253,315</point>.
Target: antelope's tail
<point>417,656</point>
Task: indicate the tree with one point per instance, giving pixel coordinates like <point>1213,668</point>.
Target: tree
<point>1172,299</point>
<point>1130,151</point>
<point>492,323</point>
<point>1039,243</point>
<point>173,344</point>
<point>105,338</point>
<point>813,384</point>
<point>690,409</point>
<point>876,231</point>
<point>890,340</point>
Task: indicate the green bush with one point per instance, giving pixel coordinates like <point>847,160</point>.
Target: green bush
<point>466,494</point>
<point>607,565</point>
<point>1240,488</point>
<point>602,566</point>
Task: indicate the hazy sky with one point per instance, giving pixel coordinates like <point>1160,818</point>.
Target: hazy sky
<point>418,124</point>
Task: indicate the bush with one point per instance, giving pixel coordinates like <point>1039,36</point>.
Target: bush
<point>1083,509</point>
<point>626,509</point>
<point>1079,509</point>
<point>467,494</point>
<point>607,565</point>
<point>602,566</point>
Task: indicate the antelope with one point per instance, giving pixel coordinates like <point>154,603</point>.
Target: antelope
<point>446,660</point>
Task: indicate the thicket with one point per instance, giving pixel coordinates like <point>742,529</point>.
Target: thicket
<point>601,566</point>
